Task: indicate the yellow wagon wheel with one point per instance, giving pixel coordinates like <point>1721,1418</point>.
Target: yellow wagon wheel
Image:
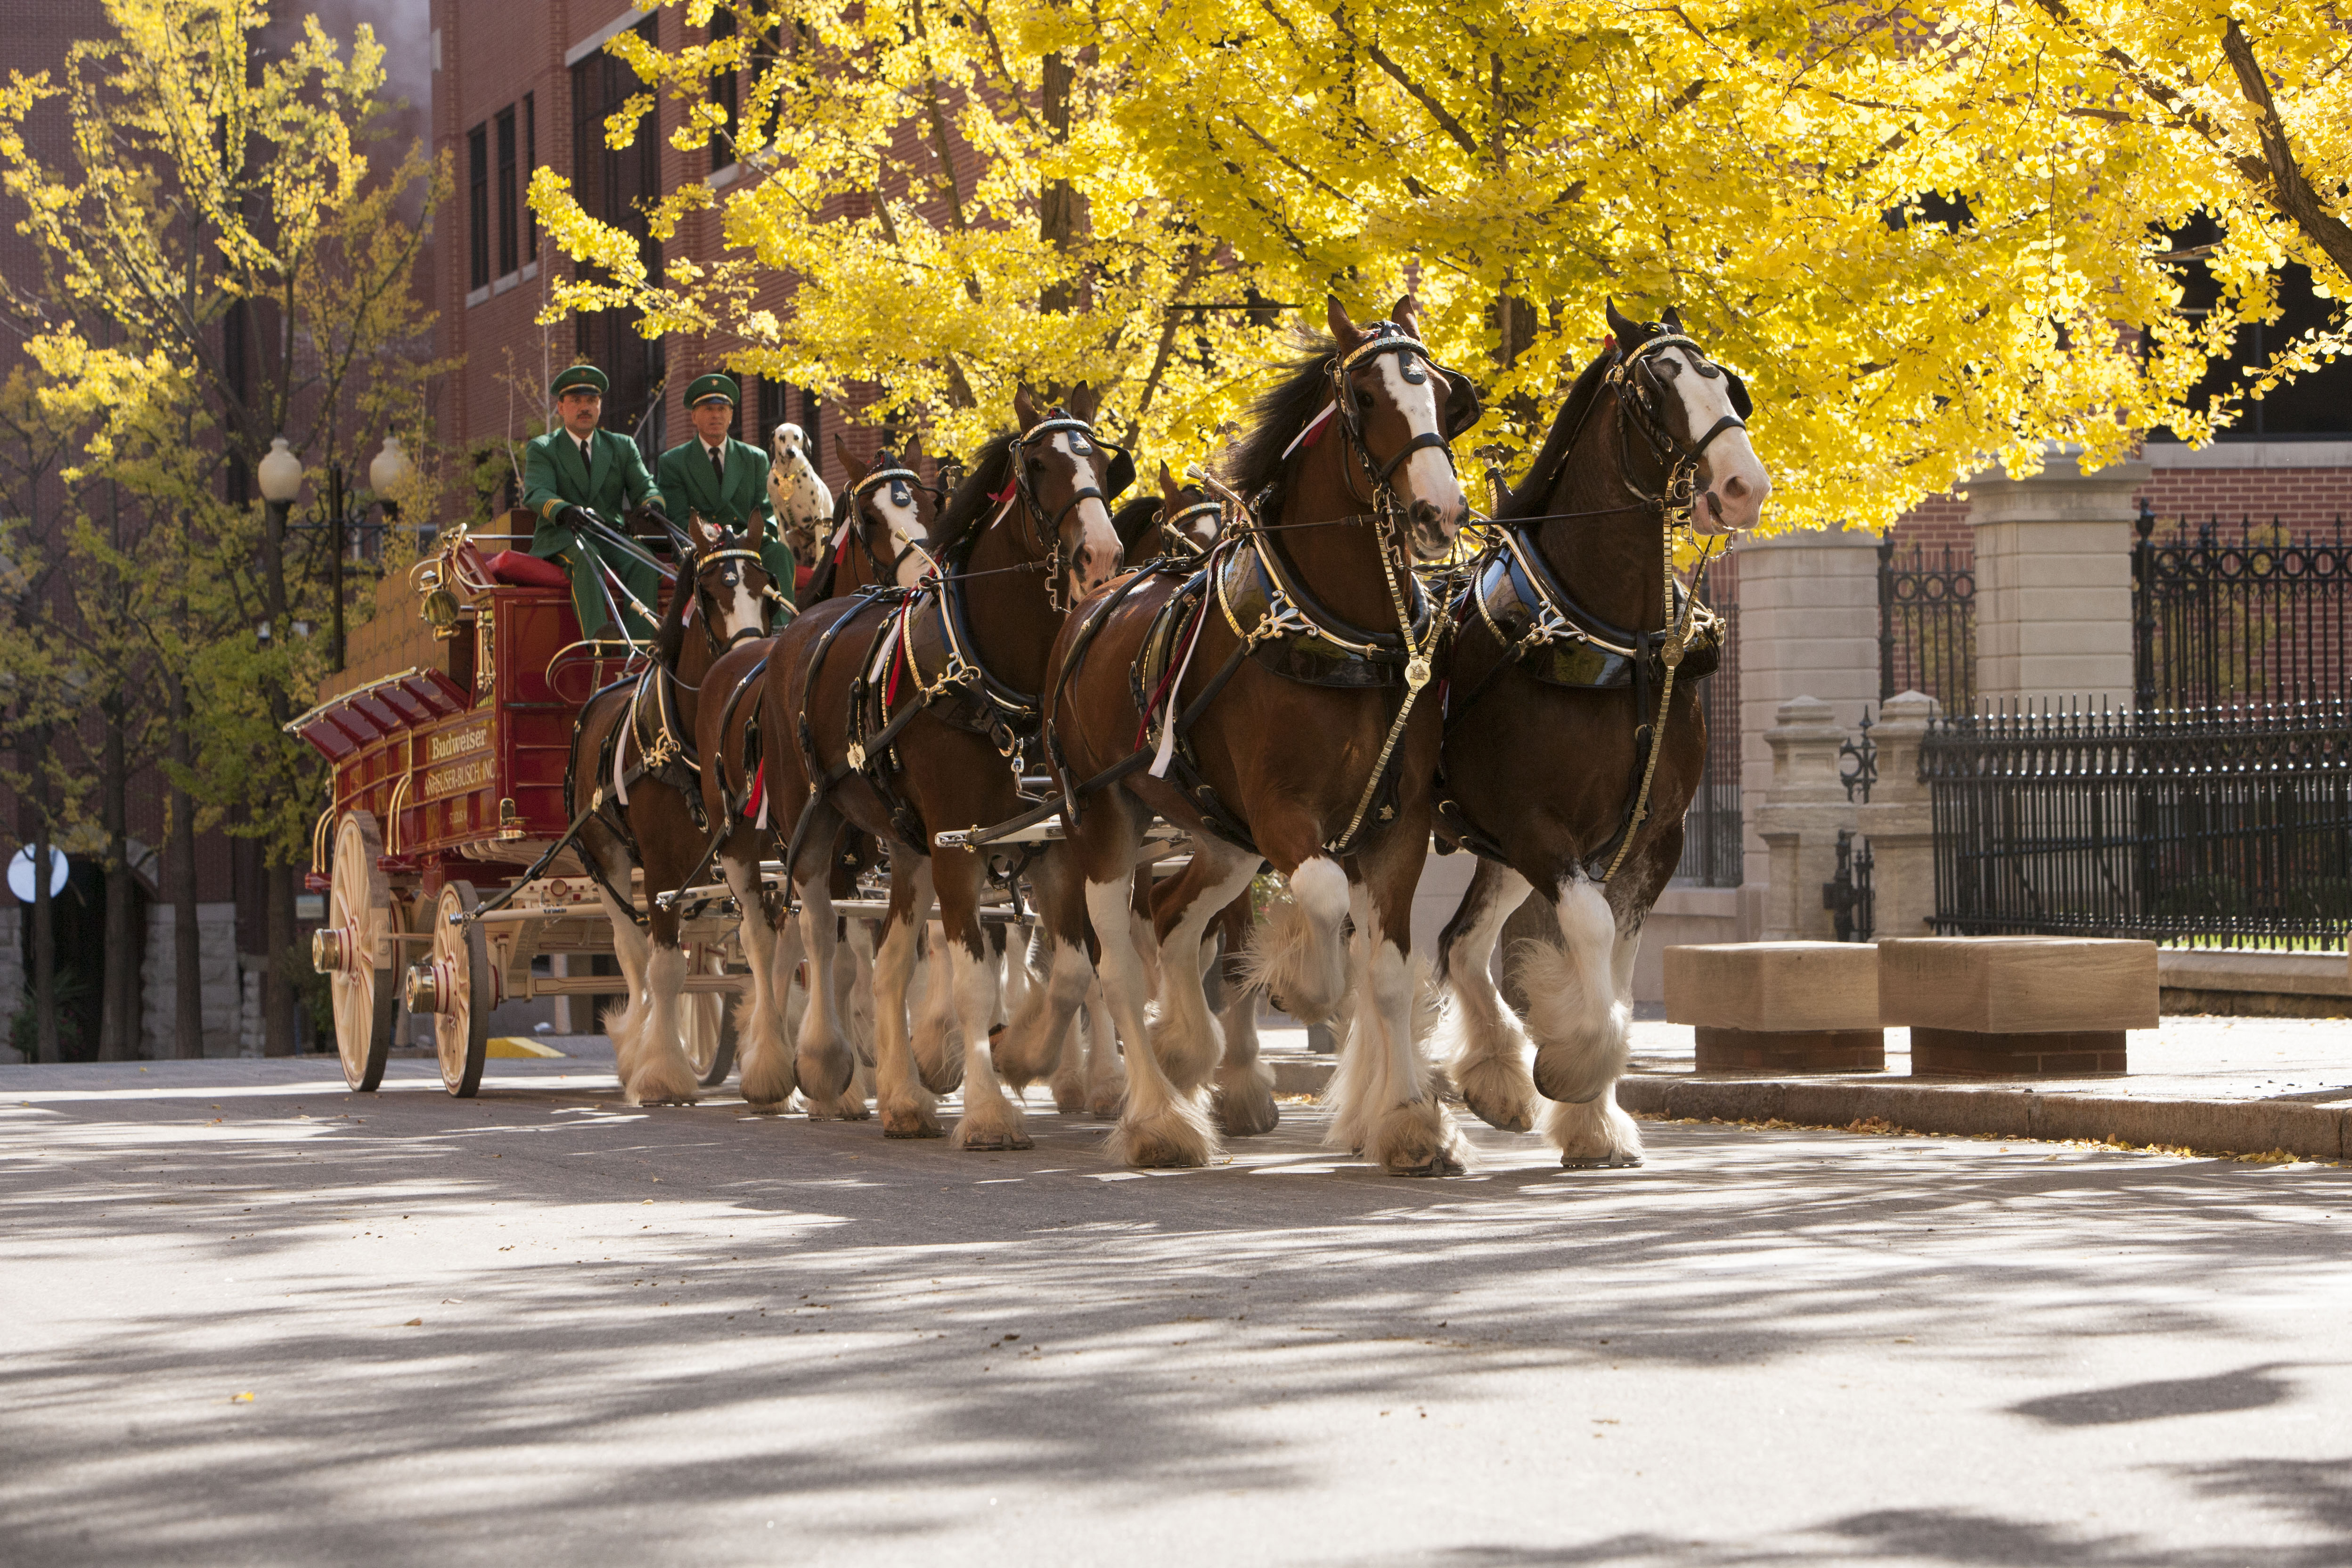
<point>354,951</point>
<point>457,988</point>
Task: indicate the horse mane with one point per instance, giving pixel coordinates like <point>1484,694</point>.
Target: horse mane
<point>1531,495</point>
<point>1277,416</point>
<point>670,638</point>
<point>974,503</point>
<point>1134,519</point>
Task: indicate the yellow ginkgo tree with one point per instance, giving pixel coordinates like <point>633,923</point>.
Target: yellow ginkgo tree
<point>1935,239</point>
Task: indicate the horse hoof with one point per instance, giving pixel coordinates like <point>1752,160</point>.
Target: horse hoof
<point>1246,1109</point>
<point>1162,1154</point>
<point>1071,1103</point>
<point>992,1140</point>
<point>1106,1106</point>
<point>1441,1164</point>
<point>908,1124</point>
<point>1615,1162</point>
<point>1499,1092</point>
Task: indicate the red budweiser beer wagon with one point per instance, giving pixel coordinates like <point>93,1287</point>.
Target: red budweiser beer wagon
<point>447,739</point>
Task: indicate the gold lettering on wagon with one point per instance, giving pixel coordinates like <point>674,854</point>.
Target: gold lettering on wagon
<point>456,778</point>
<point>458,741</point>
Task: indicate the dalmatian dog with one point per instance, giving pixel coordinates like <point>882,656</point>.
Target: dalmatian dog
<point>804,505</point>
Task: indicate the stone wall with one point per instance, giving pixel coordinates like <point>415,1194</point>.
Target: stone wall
<point>223,985</point>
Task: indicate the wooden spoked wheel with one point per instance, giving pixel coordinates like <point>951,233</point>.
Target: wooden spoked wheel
<point>464,990</point>
<point>354,951</point>
<point>708,1026</point>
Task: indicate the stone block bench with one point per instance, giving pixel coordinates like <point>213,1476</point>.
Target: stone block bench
<point>1778,1007</point>
<point>2022,1006</point>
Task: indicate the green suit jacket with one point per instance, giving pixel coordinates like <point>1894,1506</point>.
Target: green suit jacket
<point>553,478</point>
<point>689,488</point>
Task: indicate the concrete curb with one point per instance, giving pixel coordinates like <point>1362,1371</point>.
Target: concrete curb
<point>2207,1126</point>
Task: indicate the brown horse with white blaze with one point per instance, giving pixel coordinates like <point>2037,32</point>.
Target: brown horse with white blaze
<point>905,714</point>
<point>1288,724</point>
<point>881,538</point>
<point>1573,664</point>
<point>633,762</point>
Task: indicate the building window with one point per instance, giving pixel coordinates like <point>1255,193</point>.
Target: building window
<point>478,205</point>
<point>508,262</point>
<point>723,94</point>
<point>529,163</point>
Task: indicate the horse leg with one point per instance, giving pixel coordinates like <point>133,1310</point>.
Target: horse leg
<point>1106,1082</point>
<point>1486,1049</point>
<point>854,994</point>
<point>1037,1043</point>
<point>990,1120</point>
<point>1296,956</point>
<point>1244,1098</point>
<point>1580,1013</point>
<point>1157,1125</point>
<point>761,1027</point>
<point>624,1024</point>
<point>1388,1106</point>
<point>1186,1038</point>
<point>662,1074</point>
<point>828,1066</point>
<point>937,1046</point>
<point>907,1104</point>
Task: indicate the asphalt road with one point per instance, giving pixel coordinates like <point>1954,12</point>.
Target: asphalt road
<point>248,1322</point>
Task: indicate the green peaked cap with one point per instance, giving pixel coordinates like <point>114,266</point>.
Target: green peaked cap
<point>705,387</point>
<point>586,375</point>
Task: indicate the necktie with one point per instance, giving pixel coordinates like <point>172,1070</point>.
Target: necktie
<point>587,454</point>
<point>718,464</point>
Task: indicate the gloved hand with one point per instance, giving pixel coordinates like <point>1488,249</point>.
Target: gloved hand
<point>575,518</point>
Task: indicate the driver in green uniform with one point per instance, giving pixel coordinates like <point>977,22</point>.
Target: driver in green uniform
<point>723,480</point>
<point>576,469</point>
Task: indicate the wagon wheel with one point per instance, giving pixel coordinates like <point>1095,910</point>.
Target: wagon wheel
<point>464,992</point>
<point>709,1030</point>
<point>354,951</point>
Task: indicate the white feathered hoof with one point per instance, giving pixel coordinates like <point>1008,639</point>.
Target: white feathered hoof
<point>1498,1091</point>
<point>669,1078</point>
<point>1417,1139</point>
<point>1069,1084</point>
<point>1244,1102</point>
<point>1186,1055</point>
<point>769,1079</point>
<point>1174,1138</point>
<point>913,1119</point>
<point>991,1127</point>
<point>848,1106</point>
<point>828,1070</point>
<point>939,1058</point>
<point>1594,1136</point>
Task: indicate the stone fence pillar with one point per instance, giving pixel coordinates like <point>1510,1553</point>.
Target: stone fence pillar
<point>1899,824</point>
<point>2053,582</point>
<point>1809,628</point>
<point>1799,821</point>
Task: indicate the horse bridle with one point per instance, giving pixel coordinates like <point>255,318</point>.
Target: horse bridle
<point>731,577</point>
<point>1638,394</point>
<point>1046,531</point>
<point>1387,338</point>
<point>903,483</point>
<point>1171,527</point>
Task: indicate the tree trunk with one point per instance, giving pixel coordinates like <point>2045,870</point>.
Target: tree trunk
<point>45,953</point>
<point>1059,220</point>
<point>180,887</point>
<point>277,937</point>
<point>117,1029</point>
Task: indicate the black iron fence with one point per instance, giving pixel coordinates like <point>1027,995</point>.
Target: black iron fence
<point>2231,825</point>
<point>1713,855</point>
<point>1927,626</point>
<point>2252,614</point>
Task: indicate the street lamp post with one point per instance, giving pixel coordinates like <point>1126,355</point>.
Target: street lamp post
<point>280,477</point>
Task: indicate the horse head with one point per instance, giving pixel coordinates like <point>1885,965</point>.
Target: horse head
<point>885,512</point>
<point>730,583</point>
<point>1066,476</point>
<point>1188,518</point>
<point>1401,410</point>
<point>1694,412</point>
<point>803,506</point>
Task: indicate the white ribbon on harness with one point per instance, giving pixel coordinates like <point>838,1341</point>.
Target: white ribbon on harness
<point>1312,426</point>
<point>620,751</point>
<point>1166,751</point>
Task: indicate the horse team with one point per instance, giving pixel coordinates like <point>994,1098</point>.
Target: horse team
<point>1305,667</point>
